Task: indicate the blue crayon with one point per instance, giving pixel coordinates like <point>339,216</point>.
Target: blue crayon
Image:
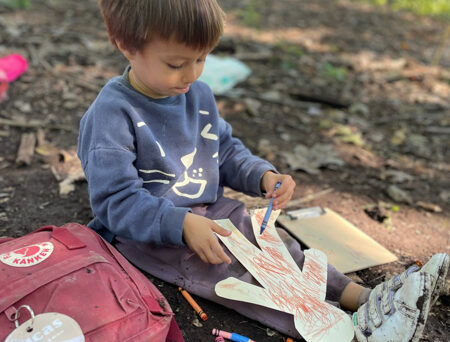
<point>231,336</point>
<point>268,212</point>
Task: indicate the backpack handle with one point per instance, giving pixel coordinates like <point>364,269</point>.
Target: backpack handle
<point>64,236</point>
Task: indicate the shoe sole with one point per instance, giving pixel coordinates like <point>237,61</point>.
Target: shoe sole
<point>424,305</point>
<point>443,262</point>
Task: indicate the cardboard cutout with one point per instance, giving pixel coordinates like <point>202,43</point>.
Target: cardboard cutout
<point>284,286</point>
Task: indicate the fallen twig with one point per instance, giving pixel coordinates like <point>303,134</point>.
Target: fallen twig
<point>33,124</point>
<point>308,198</point>
<point>319,98</point>
<point>26,149</point>
<point>237,94</point>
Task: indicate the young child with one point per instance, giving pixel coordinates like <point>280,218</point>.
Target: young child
<point>157,155</point>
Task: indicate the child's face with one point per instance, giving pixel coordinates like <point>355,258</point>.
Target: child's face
<point>165,68</point>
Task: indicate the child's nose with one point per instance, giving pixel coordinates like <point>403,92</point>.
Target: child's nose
<point>190,75</point>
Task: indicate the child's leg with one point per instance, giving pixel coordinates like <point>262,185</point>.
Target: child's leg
<point>354,296</point>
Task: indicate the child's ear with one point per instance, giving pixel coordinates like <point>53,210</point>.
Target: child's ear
<point>128,54</point>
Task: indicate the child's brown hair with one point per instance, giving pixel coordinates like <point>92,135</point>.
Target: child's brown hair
<point>132,23</point>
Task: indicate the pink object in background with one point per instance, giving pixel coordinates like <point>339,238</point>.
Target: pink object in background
<point>13,66</point>
<point>3,85</point>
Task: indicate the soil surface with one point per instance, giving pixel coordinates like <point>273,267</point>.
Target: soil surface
<point>352,100</point>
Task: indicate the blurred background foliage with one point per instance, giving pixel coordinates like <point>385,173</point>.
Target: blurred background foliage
<point>16,4</point>
<point>251,16</point>
<point>425,7</point>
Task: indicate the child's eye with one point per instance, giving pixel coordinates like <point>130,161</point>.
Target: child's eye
<point>175,67</point>
<point>200,60</point>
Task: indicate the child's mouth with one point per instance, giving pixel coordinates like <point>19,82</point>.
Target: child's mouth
<point>183,90</point>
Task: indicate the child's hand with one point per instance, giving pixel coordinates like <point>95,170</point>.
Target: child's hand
<point>198,232</point>
<point>283,194</point>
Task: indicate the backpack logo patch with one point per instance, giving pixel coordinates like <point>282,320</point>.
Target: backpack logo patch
<point>28,256</point>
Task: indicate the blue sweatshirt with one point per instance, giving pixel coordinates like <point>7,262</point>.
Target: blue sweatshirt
<point>147,161</point>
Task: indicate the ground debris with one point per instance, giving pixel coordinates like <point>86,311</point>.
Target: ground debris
<point>26,149</point>
<point>197,323</point>
<point>311,159</point>
<point>64,163</point>
<point>395,176</point>
<point>429,206</point>
<point>377,212</point>
<point>398,194</point>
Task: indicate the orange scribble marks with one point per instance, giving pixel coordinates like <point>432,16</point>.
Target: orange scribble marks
<point>312,272</point>
<point>276,254</point>
<point>270,265</point>
<point>268,237</point>
<point>327,319</point>
<point>246,248</point>
<point>229,286</point>
<point>259,216</point>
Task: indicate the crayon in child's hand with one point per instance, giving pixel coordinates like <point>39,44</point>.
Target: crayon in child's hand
<point>268,212</point>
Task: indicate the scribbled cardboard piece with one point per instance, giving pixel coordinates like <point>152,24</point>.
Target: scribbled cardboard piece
<point>284,286</point>
<point>347,248</point>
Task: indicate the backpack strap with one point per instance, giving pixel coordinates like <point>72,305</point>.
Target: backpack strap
<point>5,239</point>
<point>174,333</point>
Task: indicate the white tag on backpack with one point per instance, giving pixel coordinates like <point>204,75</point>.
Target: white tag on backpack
<point>47,327</point>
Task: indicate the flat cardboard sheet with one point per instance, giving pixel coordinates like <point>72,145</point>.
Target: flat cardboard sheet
<point>347,248</point>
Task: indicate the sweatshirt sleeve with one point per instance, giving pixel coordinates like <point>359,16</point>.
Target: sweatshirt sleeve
<point>107,149</point>
<point>120,202</point>
<point>239,168</point>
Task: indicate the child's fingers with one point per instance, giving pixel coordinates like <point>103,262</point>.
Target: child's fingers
<point>280,204</point>
<point>211,257</point>
<point>203,257</point>
<point>287,185</point>
<point>220,253</point>
<point>283,199</point>
<point>214,253</point>
<point>220,230</point>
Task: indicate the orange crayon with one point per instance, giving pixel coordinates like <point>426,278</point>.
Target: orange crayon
<point>193,303</point>
<point>289,340</point>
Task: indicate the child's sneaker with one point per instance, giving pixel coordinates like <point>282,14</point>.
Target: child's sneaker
<point>395,313</point>
<point>437,267</point>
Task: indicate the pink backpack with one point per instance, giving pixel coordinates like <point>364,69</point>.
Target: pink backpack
<point>73,271</point>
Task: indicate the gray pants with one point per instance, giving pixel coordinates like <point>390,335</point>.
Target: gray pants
<point>180,266</point>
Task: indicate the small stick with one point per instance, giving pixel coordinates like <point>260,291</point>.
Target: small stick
<point>308,198</point>
<point>26,149</point>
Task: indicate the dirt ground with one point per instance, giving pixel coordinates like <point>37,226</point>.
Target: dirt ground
<point>365,89</point>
